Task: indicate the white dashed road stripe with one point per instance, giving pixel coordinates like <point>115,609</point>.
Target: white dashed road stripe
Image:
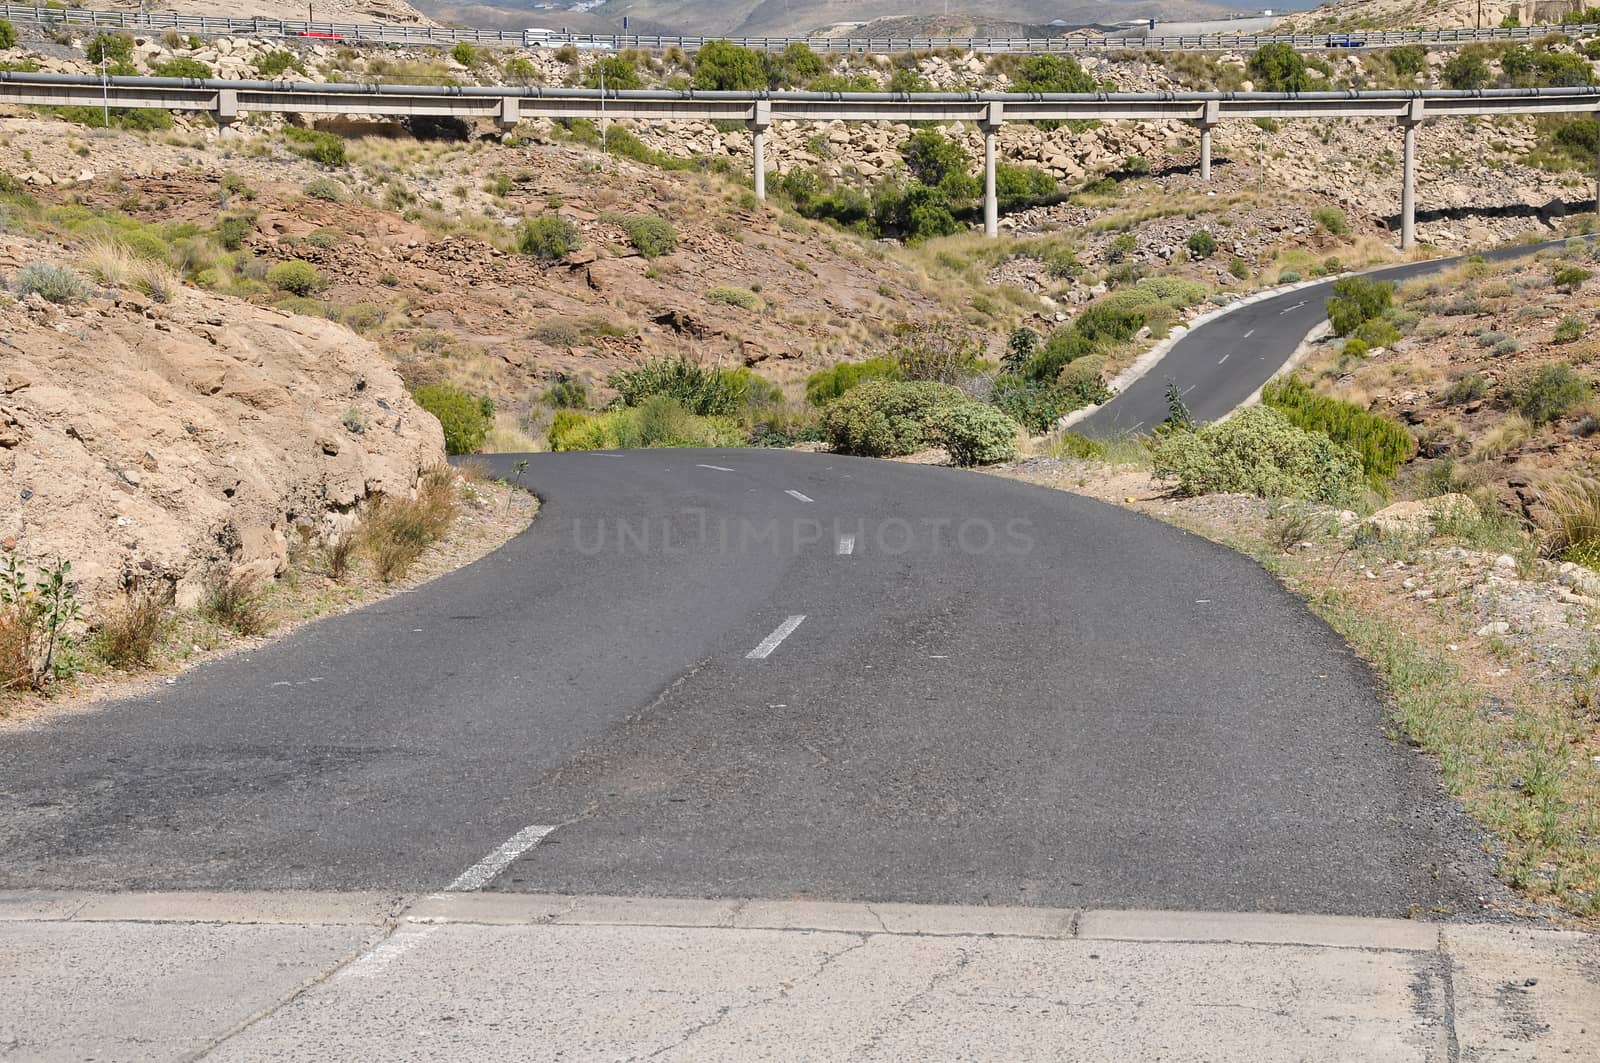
<point>479,875</point>
<point>797,494</point>
<point>847,544</point>
<point>719,468</point>
<point>772,641</point>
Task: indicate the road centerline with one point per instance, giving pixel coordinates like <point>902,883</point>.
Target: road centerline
<point>719,468</point>
<point>480,874</point>
<point>792,493</point>
<point>772,641</point>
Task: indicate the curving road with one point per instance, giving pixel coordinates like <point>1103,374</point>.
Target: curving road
<point>998,694</point>
<point>1223,362</point>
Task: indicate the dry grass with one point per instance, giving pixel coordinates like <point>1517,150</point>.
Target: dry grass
<point>338,551</point>
<point>1574,518</point>
<point>108,261</point>
<point>16,652</point>
<point>129,632</point>
<point>395,531</point>
<point>237,603</point>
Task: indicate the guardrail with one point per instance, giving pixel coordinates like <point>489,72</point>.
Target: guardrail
<point>402,33</point>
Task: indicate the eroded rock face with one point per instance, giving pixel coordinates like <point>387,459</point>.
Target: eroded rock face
<point>155,442</point>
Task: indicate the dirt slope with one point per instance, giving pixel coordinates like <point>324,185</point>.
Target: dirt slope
<point>155,441</point>
<point>321,10</point>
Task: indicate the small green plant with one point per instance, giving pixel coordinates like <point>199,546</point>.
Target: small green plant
<point>1357,300</point>
<point>113,49</point>
<point>1355,347</point>
<point>326,149</point>
<point>182,68</point>
<point>232,231</point>
<point>35,618</point>
<point>1570,330</point>
<point>1201,243</point>
<point>127,634</point>
<point>465,54</point>
<point>327,189</point>
<point>1473,387</point>
<point>1178,419</point>
<point>731,296</point>
<point>1382,444</point>
<point>55,284</point>
<point>1570,278</point>
<point>465,418</point>
<point>8,34</point>
<point>702,390</point>
<point>977,434</point>
<point>568,393</point>
<point>1331,220</point>
<point>1257,451</point>
<point>1239,268</point>
<point>1289,276</point>
<point>825,385</point>
<point>652,236</point>
<point>548,237</point>
<point>1547,393</point>
<point>276,63</point>
<point>296,277</point>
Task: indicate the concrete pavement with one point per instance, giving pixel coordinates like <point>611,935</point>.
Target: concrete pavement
<point>535,977</point>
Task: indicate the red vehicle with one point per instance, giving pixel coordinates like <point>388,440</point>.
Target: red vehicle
<point>321,36</point>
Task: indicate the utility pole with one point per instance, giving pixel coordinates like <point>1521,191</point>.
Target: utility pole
<point>603,130</point>
<point>105,91</point>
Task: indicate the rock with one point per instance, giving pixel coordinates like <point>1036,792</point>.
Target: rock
<point>1583,580</point>
<point>1420,517</point>
<point>1499,627</point>
<point>1505,561</point>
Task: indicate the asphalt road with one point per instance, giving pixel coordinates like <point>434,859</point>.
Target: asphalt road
<point>1221,363</point>
<point>999,694</point>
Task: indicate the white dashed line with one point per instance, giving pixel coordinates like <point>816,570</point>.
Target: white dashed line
<point>772,641</point>
<point>796,494</point>
<point>1252,332</point>
<point>847,544</point>
<point>719,468</point>
<point>1224,358</point>
<point>478,875</point>
<point>1292,309</point>
<point>373,963</point>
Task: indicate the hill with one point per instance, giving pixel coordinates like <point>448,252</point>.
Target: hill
<point>321,10</point>
<point>1404,14</point>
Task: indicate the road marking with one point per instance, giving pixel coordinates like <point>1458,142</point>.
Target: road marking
<point>1292,309</point>
<point>719,468</point>
<point>1224,358</point>
<point>478,875</point>
<point>797,494</point>
<point>1252,332</point>
<point>847,544</point>
<point>403,941</point>
<point>772,641</point>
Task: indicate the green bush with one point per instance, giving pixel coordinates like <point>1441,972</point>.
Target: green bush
<point>8,34</point>
<point>652,236</point>
<point>182,68</point>
<point>1382,444</point>
<point>144,119</point>
<point>731,296</point>
<point>939,162</point>
<point>465,418</point>
<point>326,188</point>
<point>1467,70</point>
<point>1378,332</point>
<point>112,48</point>
<point>1039,406</point>
<point>326,149</point>
<point>723,65</point>
<point>619,71</point>
<point>976,434</point>
<point>659,422</point>
<point>1278,68</point>
<point>55,284</point>
<point>568,393</point>
<point>1470,388</point>
<point>548,237</point>
<point>1332,220</point>
<point>1257,451</point>
<point>273,64</point>
<point>884,418</point>
<point>1569,330</point>
<point>1289,276</point>
<point>1201,243</point>
<point>1408,60</point>
<point>1357,300</point>
<point>296,277</point>
<point>1355,348</point>
<point>465,54</point>
<point>1547,393</point>
<point>1570,278</point>
<point>825,385</point>
<point>233,230</point>
<point>700,389</point>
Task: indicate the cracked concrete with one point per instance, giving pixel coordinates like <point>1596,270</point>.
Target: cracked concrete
<point>256,976</point>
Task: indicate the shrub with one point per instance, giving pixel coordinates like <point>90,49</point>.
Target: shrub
<point>976,434</point>
<point>35,619</point>
<point>939,162</point>
<point>883,418</point>
<point>702,390</point>
<point>1570,278</point>
<point>1408,60</point>
<point>395,531</point>
<point>1570,330</point>
<point>236,602</point>
<point>326,149</point>
<point>568,393</point>
<point>8,34</point>
<point>650,235</point>
<point>724,65</point>
<point>1257,451</point>
<point>548,237</point>
<point>1383,445</point>
<point>1467,70</point>
<point>126,634</point>
<point>111,48</point>
<point>465,418</point>
<point>55,284</point>
<point>465,54</point>
<point>941,352</point>
<point>1239,268</point>
<point>1332,220</point>
<point>1355,348</point>
<point>232,231</point>
<point>1278,68</point>
<point>1378,332</point>
<point>327,189</point>
<point>825,385</point>
<point>273,64</point>
<point>1039,406</point>
<point>182,68</point>
<point>1470,388</point>
<point>1201,243</point>
<point>1573,527</point>
<point>1547,393</point>
<point>740,297</point>
<point>1357,300</point>
<point>296,277</point>
<point>1289,276</point>
<point>619,72</point>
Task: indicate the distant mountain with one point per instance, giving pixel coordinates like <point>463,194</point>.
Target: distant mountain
<point>800,17</point>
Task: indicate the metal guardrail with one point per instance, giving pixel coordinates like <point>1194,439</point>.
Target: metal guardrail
<point>401,33</point>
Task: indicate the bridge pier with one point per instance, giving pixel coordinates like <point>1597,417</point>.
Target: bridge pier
<point>227,112</point>
<point>760,121</point>
<point>992,120</point>
<point>1408,177</point>
<point>1207,123</point>
<point>510,113</point>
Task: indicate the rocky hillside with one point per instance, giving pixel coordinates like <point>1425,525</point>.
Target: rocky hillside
<point>322,10</point>
<point>153,441</point>
<point>1403,14</point>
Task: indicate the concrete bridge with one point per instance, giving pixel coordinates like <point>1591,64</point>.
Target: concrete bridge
<point>228,100</point>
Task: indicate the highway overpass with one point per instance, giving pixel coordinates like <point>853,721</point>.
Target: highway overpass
<point>227,101</point>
